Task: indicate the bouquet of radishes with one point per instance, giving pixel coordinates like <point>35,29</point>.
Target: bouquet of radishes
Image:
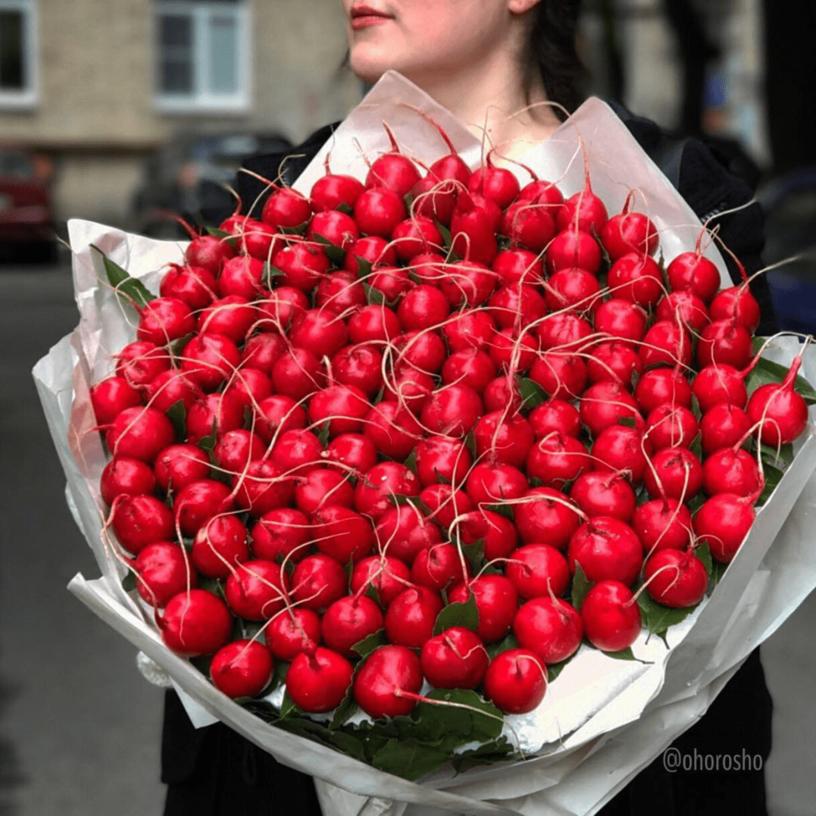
<point>386,455</point>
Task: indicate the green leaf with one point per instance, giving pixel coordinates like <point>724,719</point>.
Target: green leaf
<point>408,758</point>
<point>177,414</point>
<point>532,394</point>
<point>447,239</point>
<point>580,586</point>
<point>505,510</point>
<point>333,252</point>
<point>554,669</point>
<point>347,707</point>
<point>207,443</point>
<point>470,444</point>
<point>483,723</point>
<point>474,553</point>
<point>129,581</point>
<point>178,346</point>
<point>703,552</point>
<point>717,571</point>
<point>629,422</point>
<point>130,289</point>
<point>458,614</point>
<point>343,207</point>
<point>765,372</point>
<point>364,269</point>
<point>411,461</point>
<point>772,478</point>
<point>374,296</point>
<point>488,753</point>
<point>372,593</point>
<point>231,239</point>
<point>323,434</point>
<point>780,457</point>
<point>410,501</point>
<point>695,408</point>
<point>368,644</point>
<point>627,654</point>
<point>658,618</point>
<point>270,273</point>
<point>288,707</point>
<point>510,642</point>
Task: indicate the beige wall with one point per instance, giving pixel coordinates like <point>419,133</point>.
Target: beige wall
<point>96,90</point>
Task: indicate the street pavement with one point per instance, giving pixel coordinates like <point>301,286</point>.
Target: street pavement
<point>79,728</point>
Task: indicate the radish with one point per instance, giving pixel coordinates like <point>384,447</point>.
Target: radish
<point>517,306</point>
<point>555,415</point>
<point>528,224</point>
<point>373,323</point>
<point>348,621</point>
<point>111,396</point>
<point>496,532</point>
<point>572,248</point>
<point>342,534</point>
<point>562,376</point>
<point>620,449</point>
<point>242,275</point>
<point>472,227</point>
<point>319,331</point>
<point>378,211</point>
<point>496,602</point>
<point>495,483</point>
<point>341,407</point>
<point>504,440</point>
<point>719,385</point>
<point>671,426</point>
<point>666,343</point>
<point>662,386</point>
<point>502,394</point>
<point>279,533</point>
<point>124,475</point>
<point>207,252</point>
<point>410,618</point>
<point>570,288</point>
<point>176,466</point>
<point>620,318</point>
<point>547,515</point>
<point>298,372</point>
<point>513,353</point>
<point>422,307</point>
<point>683,307</point>
<point>139,433</point>
<point>556,460</point>
<point>232,316</point>
<point>333,227</point>
<point>171,387</point>
<point>372,495</point>
<point>261,488</point>
<point>516,681</point>
<point>242,668</point>
<point>724,342</point>
<point>392,170</point>
<point>219,546</point>
<point>209,359</point>
<point>303,265</point>
<point>611,617</point>
<point>391,430</point>
<point>296,449</point>
<point>388,682</point>
<point>219,413</point>
<point>604,494</point>
<point>737,303</point>
<point>538,569</point>
<point>194,623</point>
<point>723,522</point>
<point>163,573</point>
<point>781,412</point>
<point>388,577</point>
<point>675,473</point>
<point>732,471</point>
<point>467,283</point>
<point>629,232</point>
<point>278,414</point>
<point>452,410</point>
<point>607,549</point>
<point>335,191</point>
<point>472,368</point>
<point>318,581</point>
<point>165,319</point>
<point>465,330</point>
<point>455,658</point>
<point>403,531</point>
<point>614,361</point>
<point>636,278</point>
<point>563,329</point>
<point>318,681</point>
<point>392,281</point>
<point>607,403</point>
<point>193,285</point>
<point>278,309</point>
<point>359,365</point>
<point>517,266</point>
<point>253,590</point>
<point>372,249</point>
<point>692,272</point>
<point>662,524</point>
<point>496,183</point>
<point>437,566</point>
<point>286,208</point>
<point>445,503</point>
<point>414,236</point>
<point>236,449</point>
<point>548,627</point>
<point>723,426</point>
<point>675,579</point>
<point>320,487</point>
<point>291,632</point>
<point>140,362</point>
<point>583,210</point>
<point>442,458</point>
<point>198,502</point>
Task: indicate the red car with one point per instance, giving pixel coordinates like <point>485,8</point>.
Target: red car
<point>26,215</point>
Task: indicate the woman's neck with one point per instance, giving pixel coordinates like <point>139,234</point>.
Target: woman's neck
<point>490,98</point>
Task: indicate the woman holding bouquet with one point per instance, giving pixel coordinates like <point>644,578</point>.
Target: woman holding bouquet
<point>486,60</point>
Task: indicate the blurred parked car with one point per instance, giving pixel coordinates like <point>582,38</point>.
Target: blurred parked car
<point>26,215</point>
<point>187,177</point>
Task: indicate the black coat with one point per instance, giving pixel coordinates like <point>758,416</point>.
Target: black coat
<point>215,772</point>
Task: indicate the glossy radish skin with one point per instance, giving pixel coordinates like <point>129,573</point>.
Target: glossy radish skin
<point>675,579</point>
<point>195,622</point>
<point>318,681</point>
<point>380,682</point>
<point>516,681</point>
<point>242,668</point>
<point>455,658</point>
<point>780,410</point>
<point>611,616</point>
<point>549,627</point>
<point>723,522</point>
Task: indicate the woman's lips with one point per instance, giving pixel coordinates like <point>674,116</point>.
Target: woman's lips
<point>364,17</point>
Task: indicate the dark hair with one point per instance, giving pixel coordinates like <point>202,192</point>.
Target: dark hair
<point>552,53</point>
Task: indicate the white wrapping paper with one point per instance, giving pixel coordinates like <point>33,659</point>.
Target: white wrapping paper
<point>602,719</point>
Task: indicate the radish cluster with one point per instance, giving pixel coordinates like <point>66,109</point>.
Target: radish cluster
<point>419,393</point>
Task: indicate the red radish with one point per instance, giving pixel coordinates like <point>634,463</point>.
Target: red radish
<point>555,415</point>
<point>556,459</point>
<point>666,343</point>
<point>723,522</point>
<point>403,532</point>
<point>242,668</point>
<point>662,524</point>
<point>341,407</point>
<point>583,210</point>
<point>423,307</point>
<point>442,458</point>
<point>619,448</point>
<point>378,211</point>
<point>198,502</point>
<point>373,323</point>
<point>298,372</point>
<point>219,546</point>
<point>718,385</point>
<point>333,227</point>
<point>472,227</point>
<point>781,412</point>
<point>537,570</point>
<point>303,265</point>
<point>171,387</point>
<point>676,473</point>
<point>732,471</point>
<point>279,533</point>
<point>386,575</point>
<point>410,389</point>
<point>517,306</point>
<point>348,621</point>
<point>354,450</point>
<point>662,386</point>
<point>321,487</point>
<point>192,285</point>
<point>548,627</point>
<point>572,249</point>
<point>611,616</point>
<point>214,413</point>
<point>629,232</point>
<point>209,359</point>
<point>496,532</point>
<point>165,319</point>
<point>614,360</point>
<point>621,318</point>
<point>571,288</point>
<point>516,681</point>
<point>319,331</point>
<point>236,449</point>
<point>111,396</point>
<point>392,430</point>
<point>512,353</point>
<point>342,534</point>
<point>278,309</point>
<point>690,271</point>
<point>528,224</point>
<point>724,342</point>
<point>296,449</point>
<point>495,483</point>
<point>410,618</point>
<point>675,579</point>
<point>738,304</point>
<point>276,415</point>
<point>139,433</point>
<point>467,283</point>
<point>139,363</point>
<point>231,316</point>
<point>473,368</point>
<point>517,266</point>
<point>372,495</point>
<point>636,278</point>
<point>286,208</point>
<point>177,466</point>
<point>501,394</point>
<point>604,494</point>
<point>335,191</point>
<point>262,487</point>
<point>360,366</point>
<point>452,410</point>
<point>671,426</point>
<point>387,683</point>
<point>562,376</point>
<point>414,236</point>
<point>162,572</point>
<point>435,198</point>
<point>455,658</point>
<point>208,252</point>
<point>373,250</point>
<point>547,515</point>
<point>392,170</point>
<point>606,548</point>
<point>445,503</point>
<point>563,329</point>
<point>723,426</point>
<point>502,439</point>
<point>291,632</point>
<point>124,475</point>
<point>253,590</point>
<point>685,308</point>
<point>242,276</point>
<point>428,267</point>
<point>392,281</point>
<point>437,566</point>
<point>195,622</point>
<point>318,681</point>
<point>496,183</point>
<point>318,581</point>
<point>465,330</point>
<point>607,403</point>
<point>545,192</point>
<point>496,602</point>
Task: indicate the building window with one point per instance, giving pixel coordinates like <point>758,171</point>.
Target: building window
<point>17,63</point>
<point>203,55</point>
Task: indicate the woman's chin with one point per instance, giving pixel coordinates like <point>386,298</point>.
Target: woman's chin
<point>370,64</point>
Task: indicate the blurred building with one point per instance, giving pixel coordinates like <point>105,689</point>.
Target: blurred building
<point>97,85</point>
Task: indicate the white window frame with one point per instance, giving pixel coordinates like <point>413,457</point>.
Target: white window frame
<point>28,96</point>
<point>201,100</point>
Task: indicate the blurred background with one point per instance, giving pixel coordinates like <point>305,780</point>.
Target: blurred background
<point>123,112</point>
